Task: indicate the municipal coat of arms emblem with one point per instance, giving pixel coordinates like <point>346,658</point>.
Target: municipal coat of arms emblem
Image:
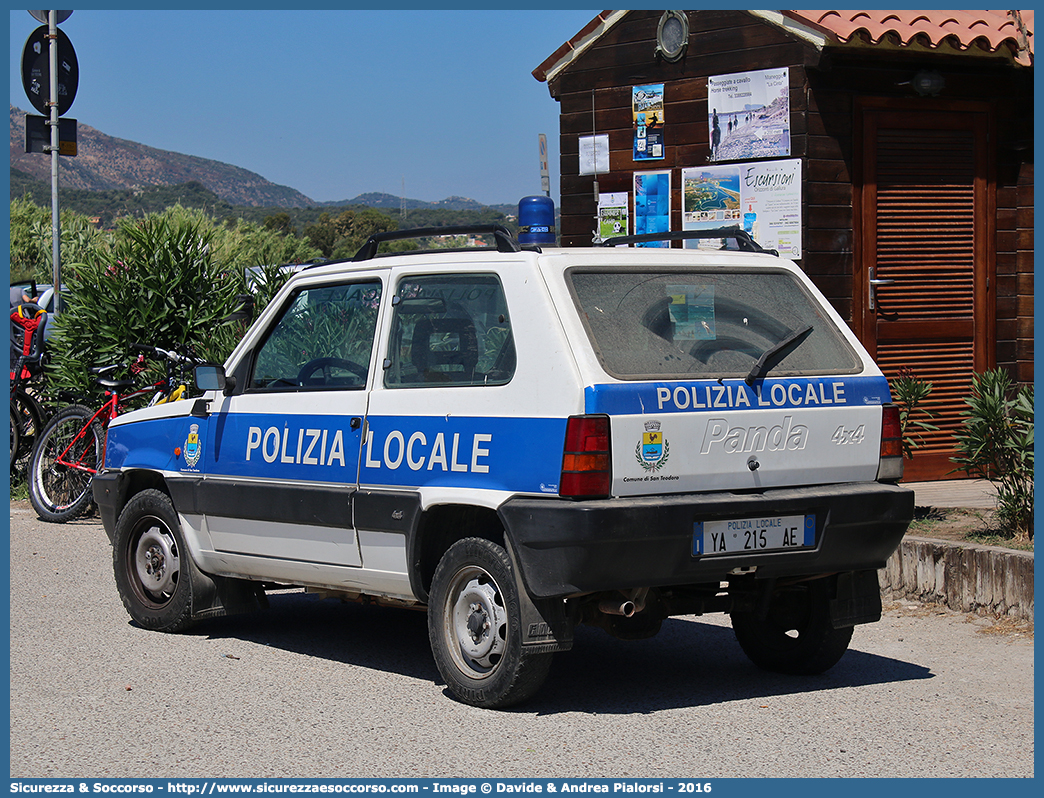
<point>653,450</point>
<point>193,450</point>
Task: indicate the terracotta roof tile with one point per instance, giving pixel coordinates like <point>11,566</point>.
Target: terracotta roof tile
<point>990,31</point>
<point>962,30</point>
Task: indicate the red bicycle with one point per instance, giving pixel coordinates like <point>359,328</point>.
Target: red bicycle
<point>28,322</point>
<point>72,445</point>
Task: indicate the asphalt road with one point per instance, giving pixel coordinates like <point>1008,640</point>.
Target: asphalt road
<point>316,688</point>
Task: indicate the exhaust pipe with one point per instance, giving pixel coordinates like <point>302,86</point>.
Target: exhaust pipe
<point>625,608</point>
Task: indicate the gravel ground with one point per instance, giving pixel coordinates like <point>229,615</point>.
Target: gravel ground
<point>315,688</point>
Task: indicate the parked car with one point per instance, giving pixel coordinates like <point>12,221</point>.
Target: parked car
<point>523,441</point>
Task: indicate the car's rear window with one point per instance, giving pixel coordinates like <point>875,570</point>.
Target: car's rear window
<point>696,324</point>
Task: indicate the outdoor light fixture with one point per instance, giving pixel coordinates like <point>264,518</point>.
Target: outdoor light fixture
<point>672,35</point>
<point>928,84</point>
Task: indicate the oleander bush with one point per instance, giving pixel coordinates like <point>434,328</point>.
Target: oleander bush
<point>911,393</point>
<point>167,280</point>
<point>155,283</point>
<point>997,444</point>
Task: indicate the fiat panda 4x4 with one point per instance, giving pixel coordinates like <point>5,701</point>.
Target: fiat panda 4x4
<point>523,441</point>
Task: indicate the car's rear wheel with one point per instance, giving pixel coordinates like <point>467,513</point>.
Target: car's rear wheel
<point>796,636</point>
<point>474,623</point>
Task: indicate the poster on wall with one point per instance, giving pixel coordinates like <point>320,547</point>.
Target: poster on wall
<point>748,114</point>
<point>763,198</point>
<point>648,117</point>
<point>613,216</point>
<point>652,205</point>
<point>594,154</point>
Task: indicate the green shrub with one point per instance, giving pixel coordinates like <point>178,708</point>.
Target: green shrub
<point>32,241</point>
<point>910,393</point>
<point>997,444</point>
<point>241,245</point>
<point>157,283</point>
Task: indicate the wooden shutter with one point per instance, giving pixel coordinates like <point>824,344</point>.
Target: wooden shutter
<point>925,225</point>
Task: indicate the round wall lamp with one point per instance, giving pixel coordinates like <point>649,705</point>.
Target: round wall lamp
<point>928,83</point>
<point>672,35</point>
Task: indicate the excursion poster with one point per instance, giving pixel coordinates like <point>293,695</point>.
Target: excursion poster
<point>764,198</point>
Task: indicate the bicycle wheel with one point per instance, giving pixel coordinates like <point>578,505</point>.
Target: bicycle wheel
<point>63,464</point>
<point>30,422</point>
<point>16,434</point>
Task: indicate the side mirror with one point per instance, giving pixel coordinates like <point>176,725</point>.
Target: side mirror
<point>210,377</point>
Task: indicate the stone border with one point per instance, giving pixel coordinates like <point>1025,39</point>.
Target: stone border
<point>988,580</point>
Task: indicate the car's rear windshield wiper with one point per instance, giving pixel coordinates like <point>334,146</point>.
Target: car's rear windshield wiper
<point>772,356</point>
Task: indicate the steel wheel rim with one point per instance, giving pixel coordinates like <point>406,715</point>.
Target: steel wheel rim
<point>155,562</point>
<point>476,622</point>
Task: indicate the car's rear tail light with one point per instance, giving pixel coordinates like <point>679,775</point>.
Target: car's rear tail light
<point>891,464</point>
<point>586,461</point>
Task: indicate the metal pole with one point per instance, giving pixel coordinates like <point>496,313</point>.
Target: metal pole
<point>52,36</point>
<point>597,238</point>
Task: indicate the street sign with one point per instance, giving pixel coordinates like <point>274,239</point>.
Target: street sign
<point>38,135</point>
<point>36,71</point>
<point>545,178</point>
<point>59,16</point>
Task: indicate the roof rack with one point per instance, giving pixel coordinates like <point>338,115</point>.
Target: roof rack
<point>505,242</point>
<point>743,240</point>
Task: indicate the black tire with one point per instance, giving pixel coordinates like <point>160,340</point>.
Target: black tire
<point>157,581</point>
<point>30,423</point>
<point>797,637</point>
<point>16,434</point>
<point>60,492</point>
<point>474,624</point>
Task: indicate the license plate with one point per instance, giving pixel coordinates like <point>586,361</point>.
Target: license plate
<point>749,535</point>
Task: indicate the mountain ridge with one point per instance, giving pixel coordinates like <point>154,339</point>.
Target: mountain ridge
<point>105,163</point>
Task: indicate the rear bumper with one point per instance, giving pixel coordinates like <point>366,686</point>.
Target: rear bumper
<point>570,547</point>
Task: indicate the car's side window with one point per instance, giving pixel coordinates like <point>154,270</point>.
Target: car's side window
<point>323,339</point>
<point>450,330</point>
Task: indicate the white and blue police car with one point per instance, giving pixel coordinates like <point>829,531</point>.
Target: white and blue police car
<point>523,439</point>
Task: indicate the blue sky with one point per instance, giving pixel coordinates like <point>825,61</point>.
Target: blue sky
<point>331,103</point>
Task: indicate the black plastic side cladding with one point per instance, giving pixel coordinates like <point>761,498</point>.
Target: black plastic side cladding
<point>397,512</point>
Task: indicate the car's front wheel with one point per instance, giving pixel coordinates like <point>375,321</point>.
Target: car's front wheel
<point>474,623</point>
<point>156,578</point>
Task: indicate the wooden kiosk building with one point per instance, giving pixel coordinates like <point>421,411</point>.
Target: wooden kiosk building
<point>914,136</point>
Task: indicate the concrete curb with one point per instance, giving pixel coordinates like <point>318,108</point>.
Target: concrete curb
<point>965,577</point>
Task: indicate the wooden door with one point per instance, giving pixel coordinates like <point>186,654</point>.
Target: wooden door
<point>923,284</point>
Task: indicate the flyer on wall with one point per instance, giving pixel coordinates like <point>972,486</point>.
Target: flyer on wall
<point>613,216</point>
<point>594,154</point>
<point>652,205</point>
<point>647,115</point>
<point>748,114</point>
<point>764,198</point>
